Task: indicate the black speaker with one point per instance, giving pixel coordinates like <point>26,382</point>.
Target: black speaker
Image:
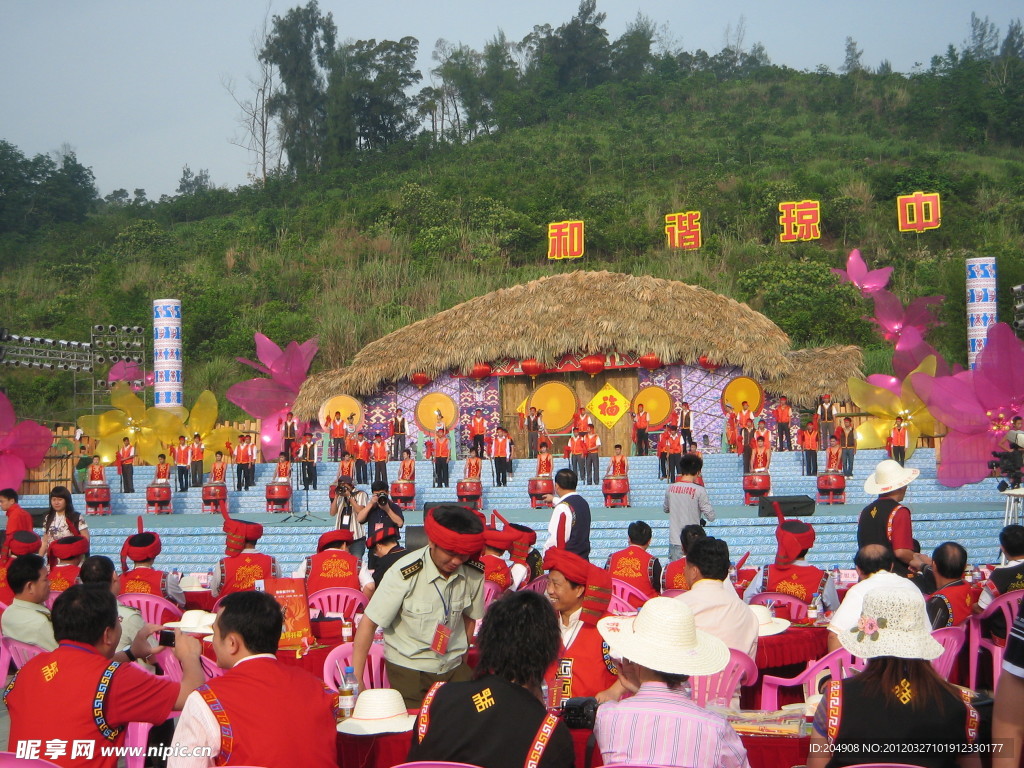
<point>431,505</point>
<point>415,537</point>
<point>792,506</point>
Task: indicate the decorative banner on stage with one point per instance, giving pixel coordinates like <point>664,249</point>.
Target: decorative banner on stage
<point>167,385</point>
<point>800,221</point>
<point>608,405</point>
<point>565,239</point>
<point>981,304</point>
<point>683,231</point>
<point>919,211</point>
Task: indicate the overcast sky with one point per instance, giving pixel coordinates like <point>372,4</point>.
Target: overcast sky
<point>135,88</point>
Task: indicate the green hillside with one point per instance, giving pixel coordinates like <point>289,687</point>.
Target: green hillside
<point>377,240</point>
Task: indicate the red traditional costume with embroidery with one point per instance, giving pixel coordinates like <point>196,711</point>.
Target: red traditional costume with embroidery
<point>674,578</point>
<point>331,568</point>
<point>635,566</point>
<point>584,668</point>
<point>144,581</point>
<point>242,571</point>
<point>496,570</point>
<point>800,581</point>
<point>63,576</point>
<point>959,602</point>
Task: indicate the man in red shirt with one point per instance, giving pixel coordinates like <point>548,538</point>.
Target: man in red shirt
<point>142,549</point>
<point>898,441</point>
<point>886,521</point>
<point>261,711</point>
<point>362,456</point>
<point>197,455</point>
<point>783,415</point>
<point>243,566</point>
<point>17,518</point>
<point>673,451</point>
<point>641,421</point>
<point>379,456</point>
<point>333,565</point>
<point>18,544</point>
<point>70,551</point>
<point>501,450</point>
<point>98,698</point>
<point>442,452</point>
<point>634,565</point>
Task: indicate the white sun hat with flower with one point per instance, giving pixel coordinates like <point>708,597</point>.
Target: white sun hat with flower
<point>893,622</point>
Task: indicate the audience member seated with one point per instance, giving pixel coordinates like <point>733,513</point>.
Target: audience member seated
<point>898,699</point>
<point>142,549</point>
<point>77,694</point>
<point>26,618</point>
<point>20,543</point>
<point>385,546</point>
<point>1007,724</point>
<point>874,564</point>
<point>580,593</point>
<point>674,576</point>
<point>70,551</point>
<point>717,609</point>
<point>498,719</point>
<point>17,518</point>
<point>1008,577</point>
<point>267,713</point>
<point>243,566</point>
<point>792,574</point>
<point>950,604</point>
<point>334,566</point>
<point>496,542</point>
<point>660,648</point>
<point>634,565</point>
<point>100,570</point>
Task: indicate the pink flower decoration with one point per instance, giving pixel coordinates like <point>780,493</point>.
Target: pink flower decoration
<point>22,446</point>
<point>867,625</point>
<point>857,272</point>
<point>976,406</point>
<point>893,320</point>
<point>271,399</point>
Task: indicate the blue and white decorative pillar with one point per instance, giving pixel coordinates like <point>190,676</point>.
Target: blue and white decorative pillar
<point>167,384</point>
<point>981,304</point>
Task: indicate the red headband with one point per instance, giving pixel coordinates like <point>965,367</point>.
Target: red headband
<point>69,547</point>
<point>24,543</point>
<point>597,582</point>
<point>502,539</point>
<point>793,536</point>
<point>525,539</point>
<point>238,532</point>
<point>460,543</point>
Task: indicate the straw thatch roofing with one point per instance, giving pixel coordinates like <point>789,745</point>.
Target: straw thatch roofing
<point>579,312</point>
<point>818,371</point>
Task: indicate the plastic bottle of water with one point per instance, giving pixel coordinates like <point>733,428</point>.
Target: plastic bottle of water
<point>732,572</point>
<point>348,692</point>
<point>835,575</point>
<point>812,609</point>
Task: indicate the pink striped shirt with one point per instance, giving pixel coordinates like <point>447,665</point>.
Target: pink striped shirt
<point>660,726</point>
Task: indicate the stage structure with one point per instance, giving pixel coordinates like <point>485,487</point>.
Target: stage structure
<point>601,341</point>
<point>167,384</point>
<point>981,304</point>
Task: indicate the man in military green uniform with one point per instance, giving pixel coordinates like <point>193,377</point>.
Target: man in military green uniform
<point>428,603</point>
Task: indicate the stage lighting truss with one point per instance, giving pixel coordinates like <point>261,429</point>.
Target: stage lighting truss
<point>44,353</point>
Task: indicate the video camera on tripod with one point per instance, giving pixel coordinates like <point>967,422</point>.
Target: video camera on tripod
<point>1010,464</point>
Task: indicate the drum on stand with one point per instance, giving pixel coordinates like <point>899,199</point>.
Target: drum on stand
<point>831,488</point>
<point>279,497</point>
<point>756,485</point>
<point>97,499</point>
<point>215,497</point>
<point>538,488</point>
<point>616,491</point>
<point>470,492</point>
<point>158,498</point>
<point>404,493</point>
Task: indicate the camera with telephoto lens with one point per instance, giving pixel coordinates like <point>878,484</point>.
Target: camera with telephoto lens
<point>382,498</point>
<point>579,712</point>
<point>1010,464</point>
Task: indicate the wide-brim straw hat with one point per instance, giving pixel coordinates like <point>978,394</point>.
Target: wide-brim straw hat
<point>889,476</point>
<point>893,622</point>
<point>663,637</point>
<point>766,623</point>
<point>378,710</point>
<point>194,623</point>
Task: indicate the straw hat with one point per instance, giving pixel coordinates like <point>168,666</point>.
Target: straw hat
<point>378,710</point>
<point>766,623</point>
<point>888,477</point>
<point>892,623</point>
<point>194,622</point>
<point>663,637</point>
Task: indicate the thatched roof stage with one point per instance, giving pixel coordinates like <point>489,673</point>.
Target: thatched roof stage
<point>817,371</point>
<point>583,312</point>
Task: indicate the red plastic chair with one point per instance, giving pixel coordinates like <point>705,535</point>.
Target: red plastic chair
<point>492,591</point>
<point>797,607</point>
<point>540,584</point>
<point>741,670</point>
<point>374,674</point>
<point>629,593</point>
<point>154,609</point>
<point>838,664</point>
<point>21,652</point>
<point>1008,605</point>
<point>11,760</point>
<point>347,602</point>
<point>952,640</point>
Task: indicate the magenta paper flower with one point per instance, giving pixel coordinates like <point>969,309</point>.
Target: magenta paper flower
<point>857,272</point>
<point>893,320</point>
<point>128,371</point>
<point>23,446</point>
<point>976,406</point>
<point>271,399</point>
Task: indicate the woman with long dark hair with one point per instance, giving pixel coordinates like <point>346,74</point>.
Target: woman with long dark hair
<point>62,519</point>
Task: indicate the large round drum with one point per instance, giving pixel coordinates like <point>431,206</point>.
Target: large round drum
<point>278,491</point>
<point>616,485</point>
<point>403,490</point>
<point>97,494</point>
<point>540,486</point>
<point>757,482</point>
<point>156,494</point>
<point>469,490</point>
<point>832,482</point>
<point>215,492</point>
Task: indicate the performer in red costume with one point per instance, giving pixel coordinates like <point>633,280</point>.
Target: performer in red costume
<point>334,566</point>
<point>142,549</point>
<point>17,518</point>
<point>407,470</point>
<point>496,543</point>
<point>70,551</point>
<point>635,565</point>
<point>243,566</point>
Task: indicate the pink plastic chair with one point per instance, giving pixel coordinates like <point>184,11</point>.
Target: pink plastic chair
<point>49,601</point>
<point>210,668</point>
<point>492,591</point>
<point>1008,605</point>
<point>673,592</point>
<point>881,765</point>
<point>629,593</point>
<point>797,607</point>
<point>621,607</point>
<point>374,674</point>
<point>741,670</point>
<point>343,600</point>
<point>435,764</point>
<point>11,760</point>
<point>838,663</point>
<point>154,609</point>
<point>21,652</point>
<point>540,584</point>
<point>952,640</point>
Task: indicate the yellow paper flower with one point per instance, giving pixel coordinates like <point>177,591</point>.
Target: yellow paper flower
<point>884,405</point>
<point>148,429</point>
<point>203,419</point>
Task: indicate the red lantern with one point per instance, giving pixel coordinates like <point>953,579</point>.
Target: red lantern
<point>650,362</point>
<point>480,371</point>
<point>531,367</point>
<point>420,379</point>
<point>707,364</point>
<point>592,364</point>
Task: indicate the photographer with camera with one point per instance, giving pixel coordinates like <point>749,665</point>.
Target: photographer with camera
<point>1010,464</point>
<point>379,511</point>
<point>345,510</point>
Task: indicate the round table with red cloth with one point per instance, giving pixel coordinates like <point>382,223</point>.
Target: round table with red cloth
<point>312,660</point>
<point>382,750</point>
<point>198,600</point>
<point>797,645</point>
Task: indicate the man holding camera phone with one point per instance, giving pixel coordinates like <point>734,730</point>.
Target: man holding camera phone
<point>379,511</point>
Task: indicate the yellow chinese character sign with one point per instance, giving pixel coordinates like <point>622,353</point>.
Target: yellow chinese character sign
<point>608,405</point>
<point>683,231</point>
<point>565,239</point>
<point>919,211</point>
<point>800,221</point>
